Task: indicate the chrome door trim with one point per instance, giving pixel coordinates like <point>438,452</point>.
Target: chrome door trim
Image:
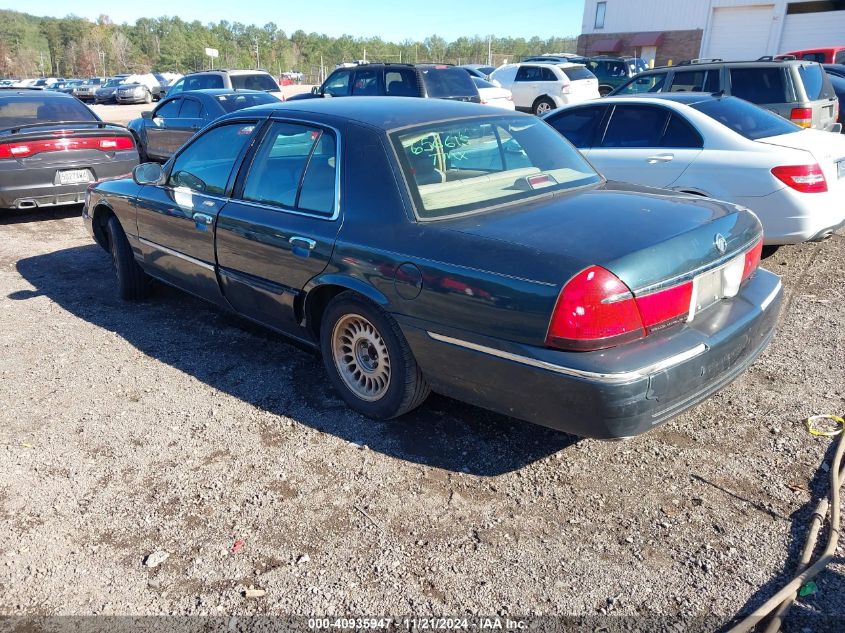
<point>170,251</point>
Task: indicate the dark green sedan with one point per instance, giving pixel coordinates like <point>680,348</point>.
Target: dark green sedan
<point>429,245</point>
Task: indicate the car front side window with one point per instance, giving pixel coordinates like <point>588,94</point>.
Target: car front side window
<point>205,165</point>
<point>338,84</point>
<point>647,83</point>
<point>169,109</point>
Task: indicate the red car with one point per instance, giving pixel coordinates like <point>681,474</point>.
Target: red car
<point>825,55</point>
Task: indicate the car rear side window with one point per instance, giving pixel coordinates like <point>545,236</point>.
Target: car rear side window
<point>547,74</point>
<point>634,126</point>
<point>578,125</point>
<point>258,81</point>
<point>840,58</point>
<point>812,76</point>
<point>695,81</point>
<point>448,82</point>
<point>401,82</point>
<point>366,83</point>
<point>746,119</point>
<point>578,72</point>
<point>680,134</point>
<point>191,109</point>
<point>206,164</point>
<point>230,103</point>
<point>294,168</point>
<point>759,85</point>
<point>38,109</point>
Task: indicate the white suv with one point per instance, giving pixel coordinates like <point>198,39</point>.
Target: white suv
<point>228,80</point>
<point>541,87</point>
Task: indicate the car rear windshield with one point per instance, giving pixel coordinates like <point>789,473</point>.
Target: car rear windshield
<point>26,110</point>
<point>203,82</point>
<point>458,167</point>
<point>448,82</point>
<point>230,103</point>
<point>578,72</point>
<point>258,81</point>
<point>745,118</point>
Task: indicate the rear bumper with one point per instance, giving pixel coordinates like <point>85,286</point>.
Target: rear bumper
<point>610,394</point>
<point>790,217</point>
<point>31,183</point>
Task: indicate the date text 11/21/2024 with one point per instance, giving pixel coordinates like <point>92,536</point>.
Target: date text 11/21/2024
<point>494,623</point>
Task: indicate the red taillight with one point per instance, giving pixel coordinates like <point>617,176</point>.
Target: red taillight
<point>752,260</point>
<point>25,149</point>
<point>665,307</point>
<point>802,117</point>
<point>803,178</point>
<point>595,310</point>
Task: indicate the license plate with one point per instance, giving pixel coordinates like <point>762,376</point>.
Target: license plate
<point>717,284</point>
<point>74,176</point>
<point>840,168</point>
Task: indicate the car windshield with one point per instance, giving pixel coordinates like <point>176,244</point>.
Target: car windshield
<point>258,81</point>
<point>643,83</point>
<point>481,83</point>
<point>112,83</point>
<point>458,167</point>
<point>746,118</point>
<point>16,111</point>
<point>230,103</point>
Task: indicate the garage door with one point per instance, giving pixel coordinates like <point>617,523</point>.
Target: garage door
<point>811,30</point>
<point>740,32</point>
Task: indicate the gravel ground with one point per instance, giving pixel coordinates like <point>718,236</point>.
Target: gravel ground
<point>169,426</point>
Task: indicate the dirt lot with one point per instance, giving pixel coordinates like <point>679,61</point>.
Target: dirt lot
<point>128,429</point>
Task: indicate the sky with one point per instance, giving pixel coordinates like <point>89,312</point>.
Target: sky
<point>391,19</point>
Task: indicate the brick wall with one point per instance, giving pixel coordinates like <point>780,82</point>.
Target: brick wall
<point>677,45</point>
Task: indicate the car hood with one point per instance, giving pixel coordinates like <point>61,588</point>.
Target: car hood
<point>642,235</point>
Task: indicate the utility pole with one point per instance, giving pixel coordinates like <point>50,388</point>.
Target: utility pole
<point>41,55</point>
<point>489,50</point>
<point>257,54</point>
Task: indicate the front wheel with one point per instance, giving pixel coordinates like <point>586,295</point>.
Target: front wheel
<point>132,282</point>
<point>148,97</point>
<point>544,105</point>
<point>368,359</point>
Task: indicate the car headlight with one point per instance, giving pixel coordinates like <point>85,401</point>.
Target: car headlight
<point>139,90</point>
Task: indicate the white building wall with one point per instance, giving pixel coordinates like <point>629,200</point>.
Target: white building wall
<point>640,16</point>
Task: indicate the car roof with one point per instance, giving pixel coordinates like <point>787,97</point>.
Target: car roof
<point>385,113</point>
<point>28,92</point>
<point>213,92</point>
<point>764,63</point>
<point>679,97</point>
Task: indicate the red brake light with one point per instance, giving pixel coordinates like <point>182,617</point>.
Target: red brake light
<point>595,310</point>
<point>802,117</point>
<point>803,178</point>
<point>25,149</point>
<point>665,307</point>
<point>752,260</point>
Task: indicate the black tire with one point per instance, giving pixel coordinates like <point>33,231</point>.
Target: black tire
<point>543,105</point>
<point>142,155</point>
<point>132,282</point>
<point>406,387</point>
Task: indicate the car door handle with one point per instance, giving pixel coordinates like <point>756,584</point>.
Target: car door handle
<point>202,218</point>
<point>302,242</point>
<point>660,158</point>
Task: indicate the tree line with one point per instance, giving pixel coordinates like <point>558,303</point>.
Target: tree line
<point>33,46</point>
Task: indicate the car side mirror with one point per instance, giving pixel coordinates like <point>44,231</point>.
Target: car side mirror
<point>837,128</point>
<point>147,174</point>
<point>148,114</point>
<point>315,90</point>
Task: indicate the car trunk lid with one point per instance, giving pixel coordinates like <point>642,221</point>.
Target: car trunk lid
<point>826,149</point>
<point>644,236</point>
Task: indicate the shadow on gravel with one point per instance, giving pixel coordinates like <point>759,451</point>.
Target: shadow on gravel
<point>806,613</point>
<point>267,371</point>
<point>18,216</point>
